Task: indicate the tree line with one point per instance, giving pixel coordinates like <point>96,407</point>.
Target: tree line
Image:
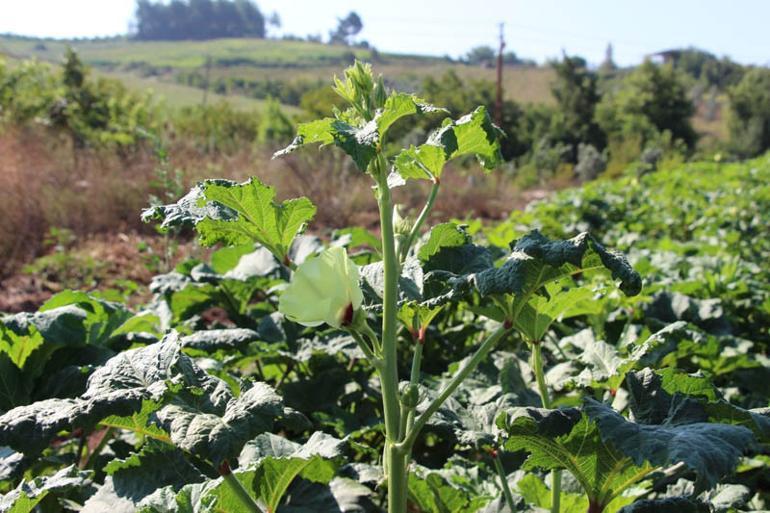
<point>198,19</point>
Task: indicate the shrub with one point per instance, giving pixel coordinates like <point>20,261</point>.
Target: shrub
<point>750,113</point>
<point>650,100</point>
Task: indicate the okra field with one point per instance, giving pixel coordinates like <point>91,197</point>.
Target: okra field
<point>603,350</point>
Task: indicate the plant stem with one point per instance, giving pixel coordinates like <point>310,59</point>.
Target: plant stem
<point>537,367</point>
<point>414,378</point>
<point>395,460</point>
<point>477,357</point>
<point>237,488</point>
<point>98,449</point>
<point>555,491</point>
<point>366,349</point>
<point>398,485</point>
<point>420,219</point>
<point>504,482</point>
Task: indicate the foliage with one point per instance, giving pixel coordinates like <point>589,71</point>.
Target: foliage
<point>705,66</point>
<point>638,379</point>
<point>91,112</point>
<point>750,113</point>
<point>347,28</point>
<point>576,92</point>
<point>651,100</point>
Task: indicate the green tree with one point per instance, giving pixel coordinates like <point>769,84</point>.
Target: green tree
<point>651,100</point>
<point>347,27</point>
<point>576,93</point>
<point>197,19</point>
<point>750,113</point>
<point>481,55</point>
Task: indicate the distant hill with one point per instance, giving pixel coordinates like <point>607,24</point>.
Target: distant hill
<point>245,67</point>
<point>246,71</point>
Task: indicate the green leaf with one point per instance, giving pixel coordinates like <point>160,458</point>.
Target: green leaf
<point>139,422</point>
<point>473,134</point>
<point>219,431</point>
<point>655,396</point>
<point>19,347</point>
<point>119,388</point>
<point>417,318</point>
<point>445,235</point>
<point>341,494</point>
<point>238,214</point>
<point>607,368</point>
<point>271,467</point>
<point>102,319</point>
<point>536,261</point>
<point>563,439</point>
<point>434,494</point>
<point>535,492</point>
<point>253,216</point>
<point>12,464</point>
<point>535,318</point>
<point>225,259</point>
<point>710,450</point>
<point>14,388</point>
<point>358,142</point>
<point>132,479</point>
<point>399,105</point>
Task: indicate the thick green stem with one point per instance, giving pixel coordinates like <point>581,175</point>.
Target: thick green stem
<point>238,490</point>
<point>555,491</point>
<point>389,371</point>
<point>469,367</point>
<point>395,460</point>
<point>537,368</point>
<point>420,219</point>
<point>398,485</point>
<point>504,482</point>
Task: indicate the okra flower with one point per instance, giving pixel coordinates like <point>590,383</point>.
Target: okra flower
<point>323,289</point>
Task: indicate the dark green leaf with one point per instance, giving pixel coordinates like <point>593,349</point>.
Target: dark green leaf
<point>219,431</point>
<point>711,450</point>
<point>669,505</point>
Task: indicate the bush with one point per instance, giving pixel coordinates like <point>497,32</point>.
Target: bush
<point>650,100</point>
<point>91,112</point>
<point>576,93</point>
<point>274,126</point>
<point>750,113</point>
<point>216,127</point>
<point>591,163</point>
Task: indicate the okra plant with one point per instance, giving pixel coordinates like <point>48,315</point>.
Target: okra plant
<point>204,432</point>
<point>387,306</point>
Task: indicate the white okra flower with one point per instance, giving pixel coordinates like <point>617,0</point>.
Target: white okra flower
<point>323,289</point>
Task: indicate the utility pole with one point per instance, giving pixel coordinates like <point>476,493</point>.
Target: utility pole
<point>499,99</point>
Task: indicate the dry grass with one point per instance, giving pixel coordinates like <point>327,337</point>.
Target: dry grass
<point>45,184</point>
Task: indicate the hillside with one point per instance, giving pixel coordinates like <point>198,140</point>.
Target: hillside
<point>262,61</point>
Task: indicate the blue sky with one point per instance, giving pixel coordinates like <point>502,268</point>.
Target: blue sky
<point>537,29</point>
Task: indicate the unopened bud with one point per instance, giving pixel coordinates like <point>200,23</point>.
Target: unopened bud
<point>410,396</point>
<point>401,225</point>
